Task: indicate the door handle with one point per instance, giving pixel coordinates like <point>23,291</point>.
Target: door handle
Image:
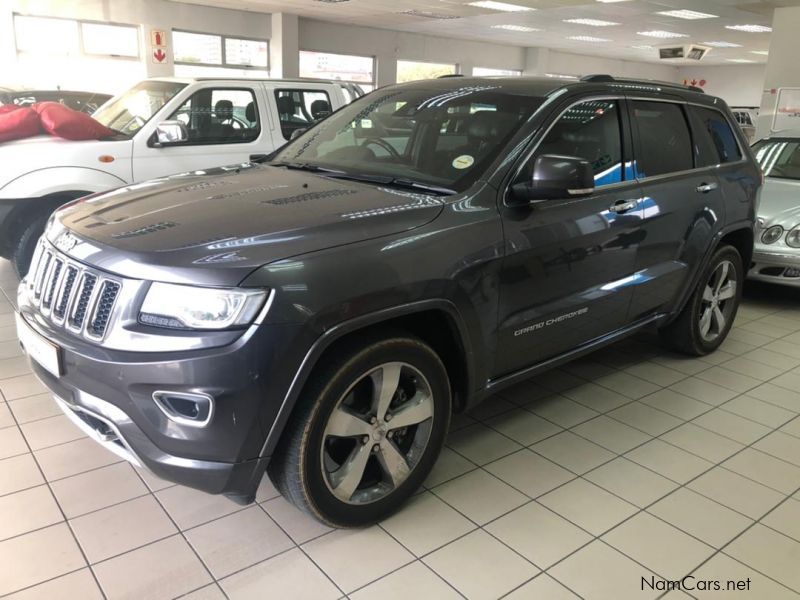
<point>704,188</point>
<point>258,157</point>
<point>623,206</point>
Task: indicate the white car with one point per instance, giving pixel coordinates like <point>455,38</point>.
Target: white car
<point>164,126</point>
<point>776,258</point>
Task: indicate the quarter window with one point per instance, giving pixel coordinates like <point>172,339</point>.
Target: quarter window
<point>664,144</point>
<point>591,131</point>
<point>220,116</point>
<point>715,142</point>
<point>299,109</point>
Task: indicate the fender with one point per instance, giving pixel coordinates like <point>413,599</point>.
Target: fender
<point>52,180</point>
<point>712,247</point>
<point>338,331</point>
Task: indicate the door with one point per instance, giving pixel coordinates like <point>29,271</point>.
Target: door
<point>683,204</point>
<point>569,261</point>
<point>225,127</point>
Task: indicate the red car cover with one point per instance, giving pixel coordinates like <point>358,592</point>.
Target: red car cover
<point>21,122</point>
<point>8,108</point>
<point>62,121</point>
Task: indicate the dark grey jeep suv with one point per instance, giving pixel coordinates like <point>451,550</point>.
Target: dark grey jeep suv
<point>320,316</point>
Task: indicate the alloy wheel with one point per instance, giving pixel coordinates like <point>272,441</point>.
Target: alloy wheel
<point>718,302</point>
<point>377,433</point>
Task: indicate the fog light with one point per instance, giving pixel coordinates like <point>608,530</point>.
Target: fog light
<point>791,272</point>
<point>192,409</point>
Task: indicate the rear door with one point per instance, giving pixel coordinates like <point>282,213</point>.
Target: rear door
<point>224,122</point>
<point>683,205</point>
<point>569,262</point>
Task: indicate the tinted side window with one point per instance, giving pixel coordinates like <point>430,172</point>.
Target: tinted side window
<point>298,109</point>
<point>664,144</point>
<point>591,131</point>
<point>220,116</point>
<point>715,142</point>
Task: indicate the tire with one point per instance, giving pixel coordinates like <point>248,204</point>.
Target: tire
<point>307,467</point>
<point>698,330</point>
<point>24,246</point>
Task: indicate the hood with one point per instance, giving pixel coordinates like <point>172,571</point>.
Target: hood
<point>780,203</point>
<point>214,227</point>
<point>40,152</point>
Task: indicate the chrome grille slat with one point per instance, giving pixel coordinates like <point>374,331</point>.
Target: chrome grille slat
<point>71,295</point>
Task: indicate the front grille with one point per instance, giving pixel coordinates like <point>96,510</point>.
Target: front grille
<point>71,294</point>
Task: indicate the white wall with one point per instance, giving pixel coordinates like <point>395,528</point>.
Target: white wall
<point>738,85</point>
<point>563,63</point>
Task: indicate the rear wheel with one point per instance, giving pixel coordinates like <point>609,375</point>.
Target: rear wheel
<point>707,318</point>
<point>366,433</point>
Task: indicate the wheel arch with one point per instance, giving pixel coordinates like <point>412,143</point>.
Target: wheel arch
<point>436,322</point>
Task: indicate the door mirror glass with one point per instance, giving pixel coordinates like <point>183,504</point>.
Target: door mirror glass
<point>171,132</point>
<point>297,133</point>
<point>555,177</point>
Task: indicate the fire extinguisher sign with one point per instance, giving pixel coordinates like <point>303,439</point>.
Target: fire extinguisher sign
<point>158,38</point>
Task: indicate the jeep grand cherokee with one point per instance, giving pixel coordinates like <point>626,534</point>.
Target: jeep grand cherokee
<point>320,316</point>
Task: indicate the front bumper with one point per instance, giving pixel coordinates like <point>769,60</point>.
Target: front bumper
<point>778,265</point>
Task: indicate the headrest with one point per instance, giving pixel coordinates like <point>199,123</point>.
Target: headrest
<point>484,125</point>
<point>223,109</point>
<point>320,109</point>
<point>250,113</point>
<point>285,105</point>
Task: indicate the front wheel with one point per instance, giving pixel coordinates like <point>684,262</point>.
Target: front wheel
<point>367,431</point>
<point>707,318</point>
<point>24,245</point>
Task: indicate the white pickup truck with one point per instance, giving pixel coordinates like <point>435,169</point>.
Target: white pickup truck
<point>164,126</point>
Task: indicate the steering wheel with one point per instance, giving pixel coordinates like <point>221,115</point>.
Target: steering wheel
<point>383,144</point>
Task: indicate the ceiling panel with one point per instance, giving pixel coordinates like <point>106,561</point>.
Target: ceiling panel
<point>469,22</point>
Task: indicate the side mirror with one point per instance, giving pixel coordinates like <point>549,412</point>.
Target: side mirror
<point>170,132</point>
<point>554,177</point>
<point>297,133</point>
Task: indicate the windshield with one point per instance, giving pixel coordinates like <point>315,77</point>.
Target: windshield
<point>437,138</point>
<point>779,158</point>
<point>129,112</point>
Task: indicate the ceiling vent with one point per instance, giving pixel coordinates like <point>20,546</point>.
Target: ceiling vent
<point>426,14</point>
<point>683,52</point>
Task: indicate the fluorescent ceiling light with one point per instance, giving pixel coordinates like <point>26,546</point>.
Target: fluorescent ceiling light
<point>502,6</point>
<point>611,1</point>
<point>750,28</point>
<point>642,47</point>
<point>587,38</point>
<point>592,22</point>
<point>760,52</point>
<point>722,44</point>
<point>521,28</point>
<point>739,60</point>
<point>560,76</point>
<point>686,14</point>
<point>661,34</point>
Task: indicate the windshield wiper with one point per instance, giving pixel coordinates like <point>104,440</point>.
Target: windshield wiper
<point>386,180</point>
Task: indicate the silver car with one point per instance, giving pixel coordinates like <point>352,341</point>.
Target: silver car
<point>777,249</point>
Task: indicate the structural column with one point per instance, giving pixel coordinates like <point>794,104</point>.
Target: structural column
<point>536,60</point>
<point>782,70</point>
<point>284,46</point>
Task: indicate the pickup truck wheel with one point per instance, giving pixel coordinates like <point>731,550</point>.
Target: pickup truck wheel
<point>24,246</point>
<point>367,430</point>
<point>707,318</point>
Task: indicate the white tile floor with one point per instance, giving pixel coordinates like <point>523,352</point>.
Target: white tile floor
<point>631,463</point>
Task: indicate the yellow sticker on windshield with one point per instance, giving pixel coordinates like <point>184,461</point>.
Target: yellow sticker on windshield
<point>463,162</point>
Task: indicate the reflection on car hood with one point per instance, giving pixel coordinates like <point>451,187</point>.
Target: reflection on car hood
<point>216,226</point>
<point>780,202</point>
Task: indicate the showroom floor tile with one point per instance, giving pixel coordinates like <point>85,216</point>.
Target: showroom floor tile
<point>631,463</point>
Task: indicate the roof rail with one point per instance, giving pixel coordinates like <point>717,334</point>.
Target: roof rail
<point>449,75</point>
<point>603,78</point>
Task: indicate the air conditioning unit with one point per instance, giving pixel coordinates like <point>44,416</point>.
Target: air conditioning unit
<point>683,52</point>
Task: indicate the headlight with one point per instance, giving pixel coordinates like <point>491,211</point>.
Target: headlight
<point>793,237</point>
<point>772,235</point>
<point>183,306</point>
